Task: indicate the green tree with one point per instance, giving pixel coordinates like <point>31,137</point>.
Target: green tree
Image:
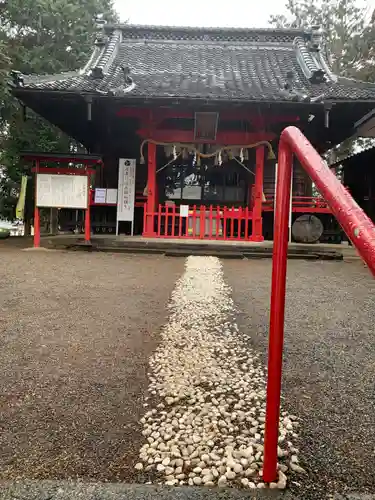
<point>350,42</point>
<point>343,23</point>
<point>42,37</point>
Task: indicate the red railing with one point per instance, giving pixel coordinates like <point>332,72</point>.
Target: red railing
<point>200,222</point>
<point>354,222</point>
<point>301,204</point>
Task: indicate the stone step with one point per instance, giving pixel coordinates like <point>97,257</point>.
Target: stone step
<point>185,248</point>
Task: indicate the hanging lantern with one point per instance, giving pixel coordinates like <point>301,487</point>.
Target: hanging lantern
<point>241,155</point>
<point>246,154</point>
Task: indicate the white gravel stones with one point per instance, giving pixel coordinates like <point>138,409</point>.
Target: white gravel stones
<point>222,481</point>
<point>209,428</point>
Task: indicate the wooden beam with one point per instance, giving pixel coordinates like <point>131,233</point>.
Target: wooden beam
<point>222,138</point>
<point>165,113</point>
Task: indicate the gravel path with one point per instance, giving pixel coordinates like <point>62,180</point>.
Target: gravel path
<point>209,425</point>
<point>329,364</point>
<point>77,332</point>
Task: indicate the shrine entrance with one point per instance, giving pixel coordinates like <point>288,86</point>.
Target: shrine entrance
<point>205,191</point>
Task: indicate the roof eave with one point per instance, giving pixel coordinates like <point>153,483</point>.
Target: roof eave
<point>18,91</point>
<point>130,97</point>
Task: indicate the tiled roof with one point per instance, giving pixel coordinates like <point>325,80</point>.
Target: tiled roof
<point>206,63</point>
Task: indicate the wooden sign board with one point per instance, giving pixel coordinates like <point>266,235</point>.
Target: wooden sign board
<point>126,191</point>
<point>61,191</point>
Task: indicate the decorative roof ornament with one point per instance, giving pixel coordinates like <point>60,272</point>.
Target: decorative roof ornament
<point>289,81</point>
<point>288,90</point>
<point>17,78</point>
<point>316,39</point>
<point>101,38</point>
<point>126,72</point>
<point>128,81</point>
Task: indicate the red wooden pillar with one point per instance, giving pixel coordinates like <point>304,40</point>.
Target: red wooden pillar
<point>87,212</point>
<point>257,232</point>
<point>36,211</point>
<point>151,191</point>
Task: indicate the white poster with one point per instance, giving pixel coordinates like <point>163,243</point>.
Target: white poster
<point>100,195</point>
<point>126,190</point>
<point>61,191</point>
<point>184,210</point>
<point>111,197</point>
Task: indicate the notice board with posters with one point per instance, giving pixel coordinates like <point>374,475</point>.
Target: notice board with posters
<point>61,191</point>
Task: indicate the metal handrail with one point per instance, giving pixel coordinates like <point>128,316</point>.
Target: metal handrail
<point>357,226</point>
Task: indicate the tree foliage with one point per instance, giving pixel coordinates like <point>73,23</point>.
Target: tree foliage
<point>345,29</point>
<point>350,43</point>
<point>42,37</point>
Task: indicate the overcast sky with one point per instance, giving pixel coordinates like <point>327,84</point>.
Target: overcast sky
<point>241,13</point>
<point>246,13</point>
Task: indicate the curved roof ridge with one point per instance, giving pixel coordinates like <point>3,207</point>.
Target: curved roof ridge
<point>307,63</point>
<point>106,58</point>
<point>155,27</point>
<point>137,31</point>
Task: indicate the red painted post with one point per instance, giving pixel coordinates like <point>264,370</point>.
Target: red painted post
<point>173,220</point>
<point>151,190</point>
<point>144,219</point>
<point>275,348</point>
<point>87,213</point>
<point>247,223</point>
<point>218,222</point>
<point>257,231</point>
<point>350,216</point>
<point>210,224</point>
<point>36,210</point>
<point>232,216</point>
<point>36,228</point>
<point>194,220</point>
<point>179,224</point>
<point>166,220</point>
<point>225,223</point>
<point>357,226</point>
<point>201,223</point>
<point>159,221</point>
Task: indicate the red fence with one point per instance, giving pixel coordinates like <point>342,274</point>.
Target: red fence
<point>357,226</point>
<point>200,222</point>
<point>301,204</point>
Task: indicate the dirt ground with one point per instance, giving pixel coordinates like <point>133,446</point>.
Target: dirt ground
<point>329,364</point>
<point>77,330</point>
